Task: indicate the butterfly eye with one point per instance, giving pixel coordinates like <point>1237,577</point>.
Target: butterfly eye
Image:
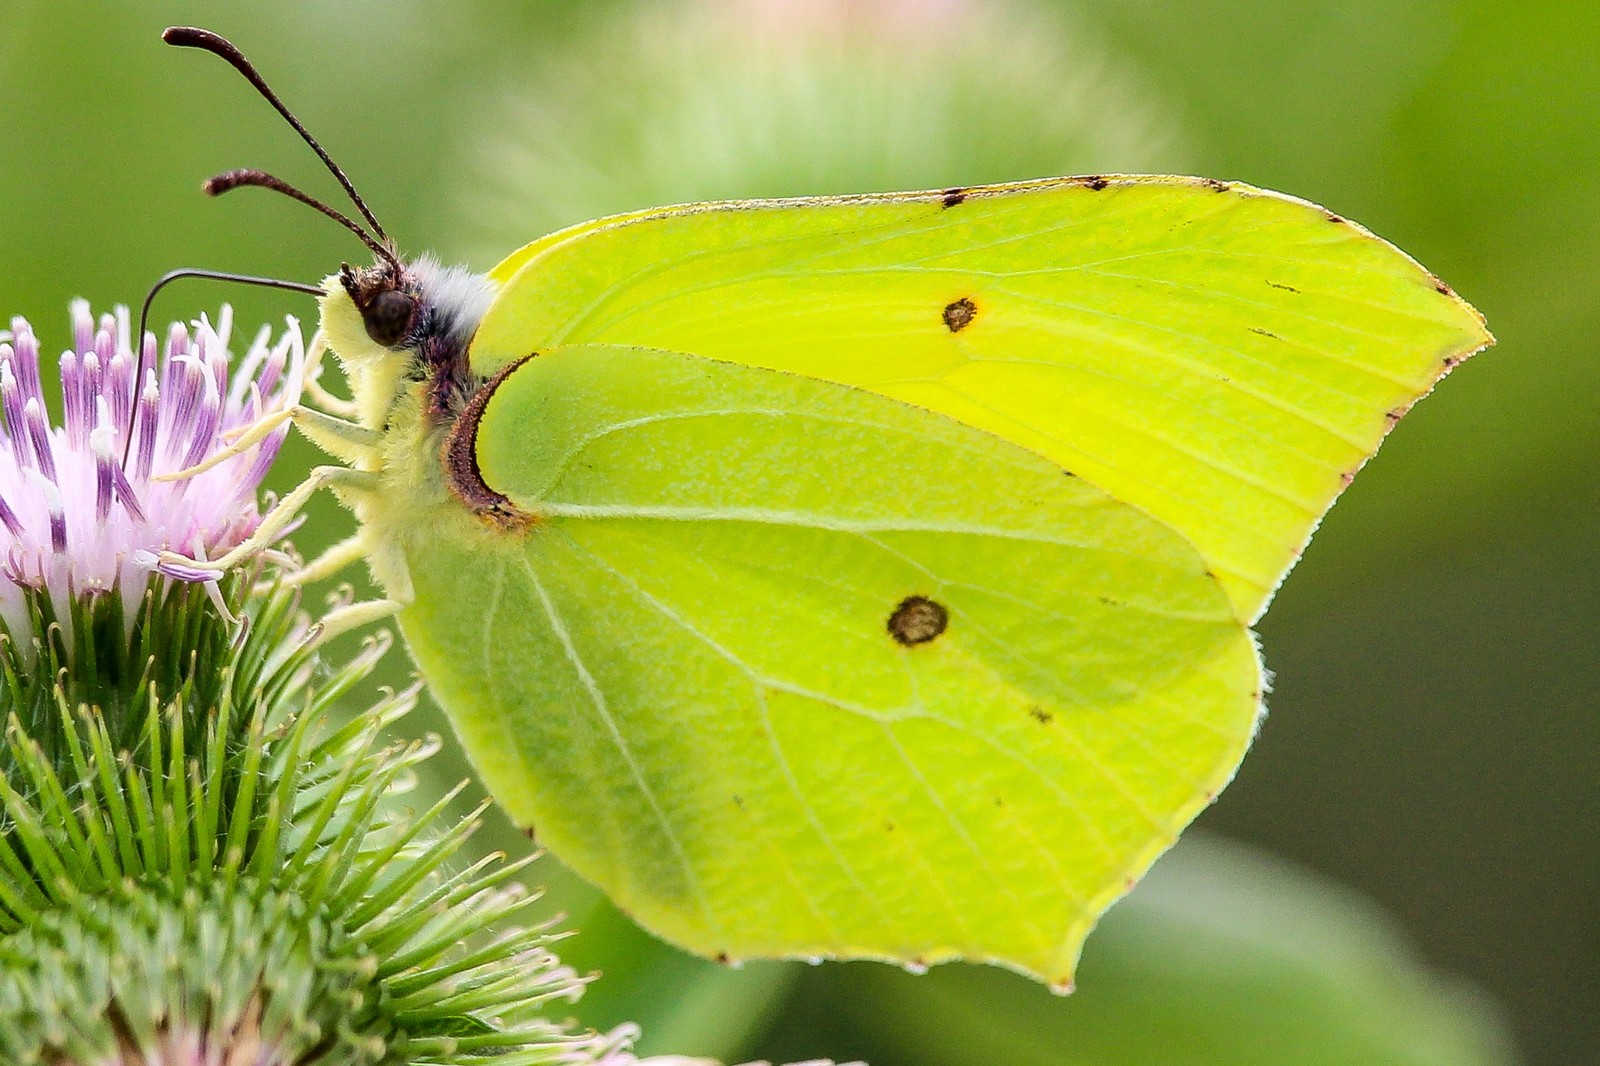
<point>388,317</point>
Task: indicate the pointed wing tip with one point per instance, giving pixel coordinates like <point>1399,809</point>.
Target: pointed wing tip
<point>1474,325</point>
<point>1475,338</point>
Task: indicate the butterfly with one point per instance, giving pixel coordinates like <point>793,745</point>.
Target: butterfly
<point>864,576</point>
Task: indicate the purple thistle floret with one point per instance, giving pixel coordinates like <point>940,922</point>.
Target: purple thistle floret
<point>78,519</point>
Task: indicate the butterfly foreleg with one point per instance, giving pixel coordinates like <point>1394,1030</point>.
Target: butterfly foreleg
<point>328,402</point>
<point>344,440</point>
<point>276,521</point>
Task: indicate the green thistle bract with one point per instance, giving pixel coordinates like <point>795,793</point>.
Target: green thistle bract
<point>238,880</point>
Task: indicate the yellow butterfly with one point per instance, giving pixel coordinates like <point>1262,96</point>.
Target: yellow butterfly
<point>861,576</point>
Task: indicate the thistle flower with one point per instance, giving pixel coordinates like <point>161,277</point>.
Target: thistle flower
<point>240,885</point>
<point>197,863</point>
<point>76,519</point>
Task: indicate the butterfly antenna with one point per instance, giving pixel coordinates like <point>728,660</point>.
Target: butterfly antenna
<point>144,322</point>
<point>193,37</point>
<point>260,179</point>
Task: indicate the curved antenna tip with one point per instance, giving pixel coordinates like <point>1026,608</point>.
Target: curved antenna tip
<point>187,35</point>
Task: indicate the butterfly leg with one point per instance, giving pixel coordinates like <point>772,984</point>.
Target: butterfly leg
<point>343,440</point>
<point>277,520</point>
<point>346,441</point>
<point>328,402</point>
<point>347,552</point>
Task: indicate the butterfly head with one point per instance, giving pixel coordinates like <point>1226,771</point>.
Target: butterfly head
<point>420,307</point>
<point>386,298</point>
<point>404,326</point>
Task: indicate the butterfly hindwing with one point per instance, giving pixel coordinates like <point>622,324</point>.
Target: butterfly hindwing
<point>792,668</point>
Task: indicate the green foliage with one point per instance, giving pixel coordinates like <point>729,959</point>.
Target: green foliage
<point>725,100</point>
<point>1223,957</point>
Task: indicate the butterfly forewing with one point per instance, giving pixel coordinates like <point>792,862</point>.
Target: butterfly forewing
<point>1220,357</point>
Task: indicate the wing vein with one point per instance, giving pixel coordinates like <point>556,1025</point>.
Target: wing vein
<point>602,708</point>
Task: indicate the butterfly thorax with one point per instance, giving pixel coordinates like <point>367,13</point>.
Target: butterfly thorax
<point>411,391</point>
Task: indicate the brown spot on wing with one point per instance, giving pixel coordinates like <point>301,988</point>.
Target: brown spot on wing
<point>953,197</point>
<point>917,620</point>
<point>1214,184</point>
<point>958,314</point>
<point>1092,181</point>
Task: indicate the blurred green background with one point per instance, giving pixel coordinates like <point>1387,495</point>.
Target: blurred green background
<point>1426,778</point>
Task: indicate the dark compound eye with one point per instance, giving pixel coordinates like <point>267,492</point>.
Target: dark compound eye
<point>388,317</point>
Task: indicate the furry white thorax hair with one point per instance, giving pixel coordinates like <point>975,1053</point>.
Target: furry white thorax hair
<point>459,297</point>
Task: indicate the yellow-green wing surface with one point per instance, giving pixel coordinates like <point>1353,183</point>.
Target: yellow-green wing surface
<point>1221,357</point>
<point>790,668</point>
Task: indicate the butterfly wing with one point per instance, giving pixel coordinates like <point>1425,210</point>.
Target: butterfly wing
<point>790,668</point>
<point>1222,357</point>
